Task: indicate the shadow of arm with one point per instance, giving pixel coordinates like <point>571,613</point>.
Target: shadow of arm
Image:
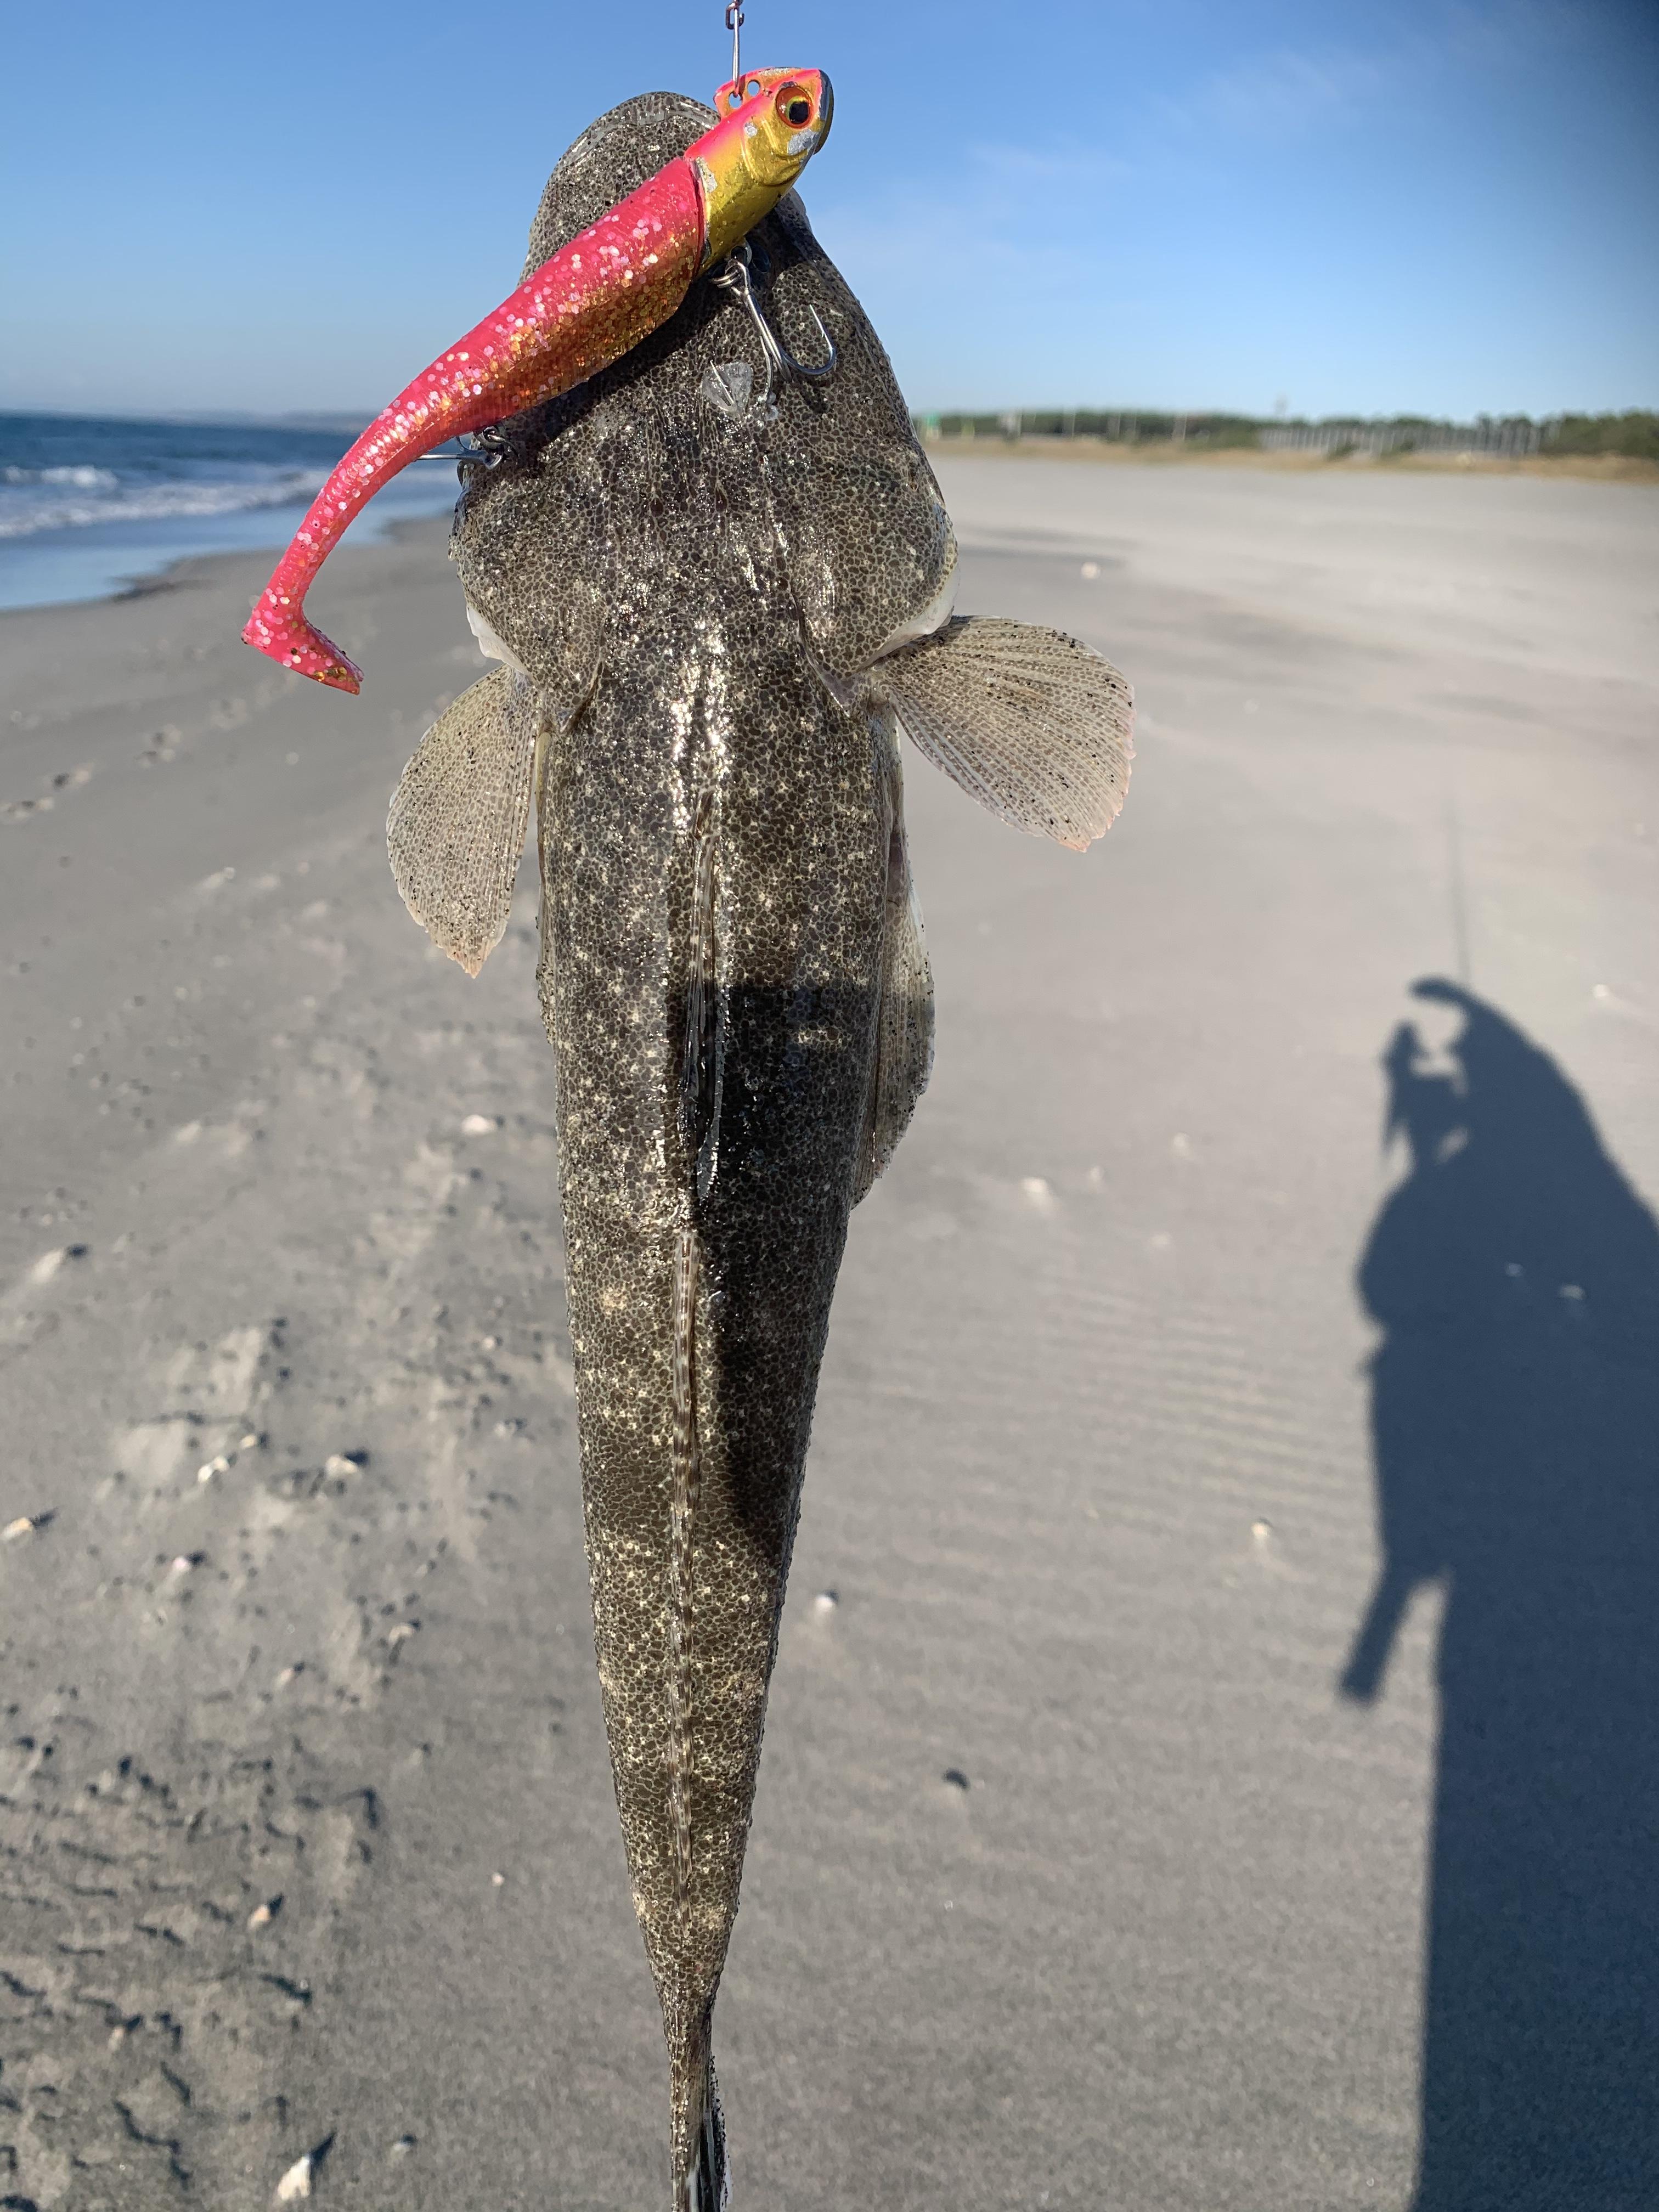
<point>1361,1679</point>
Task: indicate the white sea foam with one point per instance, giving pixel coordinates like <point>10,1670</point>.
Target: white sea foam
<point>87,477</point>
<point>32,500</point>
<point>165,491</point>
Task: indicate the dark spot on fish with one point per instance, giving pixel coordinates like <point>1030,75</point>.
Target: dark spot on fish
<point>956,1778</point>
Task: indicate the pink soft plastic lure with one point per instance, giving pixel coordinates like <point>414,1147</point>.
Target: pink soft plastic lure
<point>586,306</point>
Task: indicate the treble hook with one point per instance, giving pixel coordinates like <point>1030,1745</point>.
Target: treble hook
<point>733,276</point>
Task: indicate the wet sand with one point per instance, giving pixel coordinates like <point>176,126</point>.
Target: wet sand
<point>1075,1880</point>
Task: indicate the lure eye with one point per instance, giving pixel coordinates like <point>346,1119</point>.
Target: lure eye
<point>794,106</point>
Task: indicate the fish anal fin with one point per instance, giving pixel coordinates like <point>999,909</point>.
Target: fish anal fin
<point>904,1017</point>
<point>1031,723</point>
<point>457,824</point>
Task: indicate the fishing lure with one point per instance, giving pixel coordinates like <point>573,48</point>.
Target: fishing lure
<point>583,308</point>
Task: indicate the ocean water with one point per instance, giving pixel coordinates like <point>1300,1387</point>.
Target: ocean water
<point>91,505</point>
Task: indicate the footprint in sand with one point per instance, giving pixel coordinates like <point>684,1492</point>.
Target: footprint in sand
<point>68,778</point>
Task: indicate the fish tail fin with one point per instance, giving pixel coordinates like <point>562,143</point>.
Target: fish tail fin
<point>703,2178</point>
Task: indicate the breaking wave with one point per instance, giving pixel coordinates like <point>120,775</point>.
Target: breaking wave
<point>164,491</point>
<point>86,477</point>
<point>72,496</point>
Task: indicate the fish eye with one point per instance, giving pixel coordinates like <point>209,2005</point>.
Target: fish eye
<point>794,106</point>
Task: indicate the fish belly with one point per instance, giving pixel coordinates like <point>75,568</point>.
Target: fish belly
<point>714,848</point>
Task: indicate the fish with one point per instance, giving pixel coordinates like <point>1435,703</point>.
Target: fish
<point>585,305</point>
<point>716,598</point>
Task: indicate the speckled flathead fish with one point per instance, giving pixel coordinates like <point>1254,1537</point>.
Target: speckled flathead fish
<point>715,609</point>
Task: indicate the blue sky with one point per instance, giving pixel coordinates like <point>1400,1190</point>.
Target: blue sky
<point>1402,205</point>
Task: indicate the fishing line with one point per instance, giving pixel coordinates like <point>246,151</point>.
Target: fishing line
<point>1458,890</point>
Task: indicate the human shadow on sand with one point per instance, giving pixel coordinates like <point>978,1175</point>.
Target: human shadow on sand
<point>1515,1415</point>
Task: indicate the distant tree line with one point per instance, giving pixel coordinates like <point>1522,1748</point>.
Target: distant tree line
<point>1635,433</point>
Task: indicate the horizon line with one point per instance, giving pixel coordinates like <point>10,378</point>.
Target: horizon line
<point>320,417</point>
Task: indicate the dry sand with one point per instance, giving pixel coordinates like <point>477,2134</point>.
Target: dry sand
<point>1195,453</point>
<point>1091,1483</point>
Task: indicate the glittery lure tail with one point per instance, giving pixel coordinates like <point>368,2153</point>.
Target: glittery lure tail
<point>578,312</point>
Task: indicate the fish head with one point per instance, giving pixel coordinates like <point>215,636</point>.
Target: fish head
<point>599,494</point>
<point>759,148</point>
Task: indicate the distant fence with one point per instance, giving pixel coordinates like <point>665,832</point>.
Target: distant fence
<point>1117,426</point>
<point>1510,440</point>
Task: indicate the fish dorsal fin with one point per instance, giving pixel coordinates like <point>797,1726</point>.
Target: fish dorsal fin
<point>1030,722</point>
<point>904,1019</point>
<point>456,825</point>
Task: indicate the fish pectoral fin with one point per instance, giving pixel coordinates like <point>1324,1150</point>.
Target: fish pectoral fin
<point>457,824</point>
<point>1036,725</point>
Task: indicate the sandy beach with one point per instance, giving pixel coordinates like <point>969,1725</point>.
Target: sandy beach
<point>1076,1880</point>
